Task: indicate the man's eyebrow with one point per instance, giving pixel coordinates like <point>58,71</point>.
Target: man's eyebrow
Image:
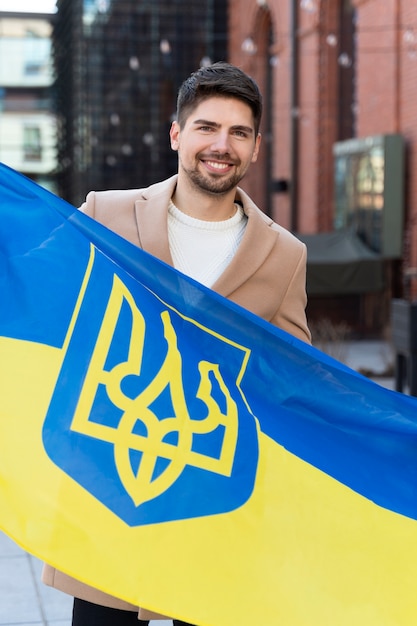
<point>242,127</point>
<point>206,123</point>
<point>246,129</point>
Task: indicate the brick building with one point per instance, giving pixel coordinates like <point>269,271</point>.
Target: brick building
<point>333,70</point>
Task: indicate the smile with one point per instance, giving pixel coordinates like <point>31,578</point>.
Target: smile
<point>218,166</point>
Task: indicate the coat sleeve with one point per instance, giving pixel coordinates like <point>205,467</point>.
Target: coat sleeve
<point>291,315</point>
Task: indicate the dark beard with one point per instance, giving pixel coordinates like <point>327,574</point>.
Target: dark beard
<point>213,185</point>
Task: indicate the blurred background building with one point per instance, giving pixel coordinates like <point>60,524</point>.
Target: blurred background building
<point>27,119</point>
<point>118,67</point>
<point>338,164</point>
<point>341,131</point>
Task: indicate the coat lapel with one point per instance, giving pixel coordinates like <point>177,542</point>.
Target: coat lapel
<point>258,241</point>
<point>256,245</point>
<point>152,219</point>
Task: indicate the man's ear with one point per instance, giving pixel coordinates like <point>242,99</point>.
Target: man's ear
<point>256,149</point>
<point>174,134</point>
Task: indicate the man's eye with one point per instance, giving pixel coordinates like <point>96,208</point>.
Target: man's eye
<point>241,133</point>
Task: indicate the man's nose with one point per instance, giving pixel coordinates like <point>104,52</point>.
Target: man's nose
<point>221,142</point>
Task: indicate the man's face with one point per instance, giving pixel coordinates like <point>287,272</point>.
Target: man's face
<point>217,144</point>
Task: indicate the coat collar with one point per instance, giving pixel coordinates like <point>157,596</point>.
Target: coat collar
<point>259,238</point>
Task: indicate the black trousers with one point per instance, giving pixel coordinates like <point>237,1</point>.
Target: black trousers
<point>88,614</point>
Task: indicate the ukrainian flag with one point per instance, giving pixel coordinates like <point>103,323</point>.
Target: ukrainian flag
<point>166,446</point>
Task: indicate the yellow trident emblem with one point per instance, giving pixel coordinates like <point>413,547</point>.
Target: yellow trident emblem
<point>142,484</point>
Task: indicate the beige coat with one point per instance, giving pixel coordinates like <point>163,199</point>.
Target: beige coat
<point>266,276</point>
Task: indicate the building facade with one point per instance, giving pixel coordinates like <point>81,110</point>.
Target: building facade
<point>333,71</point>
<point>27,118</point>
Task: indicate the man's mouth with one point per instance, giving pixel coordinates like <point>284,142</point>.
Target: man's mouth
<point>217,166</point>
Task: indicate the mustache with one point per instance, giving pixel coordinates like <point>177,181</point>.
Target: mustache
<point>218,156</point>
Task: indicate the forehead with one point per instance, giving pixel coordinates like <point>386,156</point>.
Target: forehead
<point>223,111</point>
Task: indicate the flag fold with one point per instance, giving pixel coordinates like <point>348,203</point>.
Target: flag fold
<point>166,446</point>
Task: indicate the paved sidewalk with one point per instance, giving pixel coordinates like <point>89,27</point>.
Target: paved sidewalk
<point>25,601</point>
<point>374,359</point>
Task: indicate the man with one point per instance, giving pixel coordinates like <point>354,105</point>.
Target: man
<point>204,225</point>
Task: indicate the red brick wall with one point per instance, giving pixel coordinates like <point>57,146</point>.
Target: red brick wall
<point>386,85</point>
<point>308,118</point>
<point>377,68</point>
<point>312,147</point>
<point>245,21</point>
<point>387,90</point>
<point>408,126</point>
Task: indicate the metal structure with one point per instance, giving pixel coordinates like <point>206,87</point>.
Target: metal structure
<point>118,68</point>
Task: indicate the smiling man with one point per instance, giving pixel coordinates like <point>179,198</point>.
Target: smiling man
<point>204,225</point>
<point>216,144</point>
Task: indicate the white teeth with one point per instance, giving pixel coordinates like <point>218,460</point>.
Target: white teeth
<point>218,166</point>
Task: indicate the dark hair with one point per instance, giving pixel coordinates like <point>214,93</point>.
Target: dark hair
<point>219,79</point>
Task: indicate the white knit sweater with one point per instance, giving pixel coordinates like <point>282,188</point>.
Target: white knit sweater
<point>203,249</point>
